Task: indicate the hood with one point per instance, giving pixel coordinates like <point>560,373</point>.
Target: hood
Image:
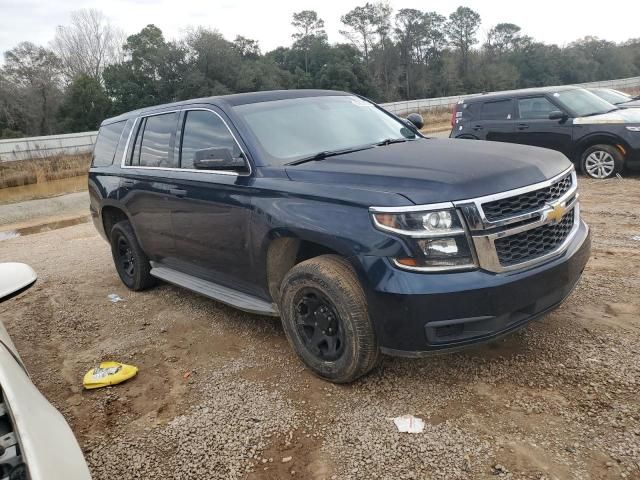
<point>436,170</point>
<point>622,116</point>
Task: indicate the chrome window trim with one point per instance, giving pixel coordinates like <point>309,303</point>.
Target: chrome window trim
<point>193,170</point>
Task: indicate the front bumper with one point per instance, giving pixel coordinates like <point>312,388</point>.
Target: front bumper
<point>417,314</point>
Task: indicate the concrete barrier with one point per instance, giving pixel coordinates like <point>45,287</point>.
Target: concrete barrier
<point>40,147</point>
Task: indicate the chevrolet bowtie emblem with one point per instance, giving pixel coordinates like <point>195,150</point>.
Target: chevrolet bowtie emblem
<point>557,213</point>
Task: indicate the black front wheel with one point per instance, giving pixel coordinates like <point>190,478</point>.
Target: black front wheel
<point>131,262</point>
<point>326,320</point>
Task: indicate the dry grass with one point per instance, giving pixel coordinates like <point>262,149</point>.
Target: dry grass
<point>39,170</point>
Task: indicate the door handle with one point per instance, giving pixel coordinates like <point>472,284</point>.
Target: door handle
<point>128,183</point>
<point>522,126</point>
<point>178,192</point>
<point>477,127</point>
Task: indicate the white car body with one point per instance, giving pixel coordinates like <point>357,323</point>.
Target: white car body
<point>41,438</point>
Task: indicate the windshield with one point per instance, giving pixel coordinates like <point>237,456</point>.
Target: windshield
<point>297,128</point>
<point>611,96</point>
<point>582,103</point>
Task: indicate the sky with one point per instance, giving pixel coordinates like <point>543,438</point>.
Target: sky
<point>268,21</point>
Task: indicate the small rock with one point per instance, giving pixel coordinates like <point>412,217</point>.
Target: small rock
<point>287,459</point>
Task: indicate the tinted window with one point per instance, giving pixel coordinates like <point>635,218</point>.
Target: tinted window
<point>203,129</point>
<point>158,137</point>
<point>470,110</point>
<point>538,107</point>
<point>106,144</point>
<point>498,110</point>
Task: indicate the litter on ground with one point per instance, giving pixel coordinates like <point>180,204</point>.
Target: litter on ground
<point>409,424</point>
<point>108,373</point>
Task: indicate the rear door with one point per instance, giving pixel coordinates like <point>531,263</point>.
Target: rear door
<point>211,220</point>
<point>495,121</point>
<point>533,126</point>
<point>146,186</point>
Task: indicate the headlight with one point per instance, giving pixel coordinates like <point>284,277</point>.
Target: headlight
<point>437,238</point>
<point>633,129</point>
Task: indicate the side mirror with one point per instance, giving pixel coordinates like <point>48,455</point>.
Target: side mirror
<point>416,120</point>
<point>217,159</point>
<point>557,115</point>
<point>15,278</point>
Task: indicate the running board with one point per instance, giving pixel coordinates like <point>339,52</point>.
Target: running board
<point>227,295</point>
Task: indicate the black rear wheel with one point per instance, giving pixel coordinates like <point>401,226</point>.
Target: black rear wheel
<point>131,262</point>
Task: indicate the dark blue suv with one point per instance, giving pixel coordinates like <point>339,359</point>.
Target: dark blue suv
<point>322,208</point>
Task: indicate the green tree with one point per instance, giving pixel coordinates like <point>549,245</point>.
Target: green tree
<point>247,48</point>
<point>409,30</point>
<point>503,37</point>
<point>362,27</point>
<point>309,30</point>
<point>84,106</point>
<point>461,30</point>
<point>35,72</point>
<point>152,73</point>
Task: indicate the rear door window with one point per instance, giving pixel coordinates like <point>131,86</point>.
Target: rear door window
<point>107,143</point>
<point>535,108</point>
<point>155,141</point>
<point>204,129</point>
<point>497,110</point>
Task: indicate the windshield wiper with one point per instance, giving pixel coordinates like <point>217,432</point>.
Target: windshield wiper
<point>326,154</point>
<point>389,141</point>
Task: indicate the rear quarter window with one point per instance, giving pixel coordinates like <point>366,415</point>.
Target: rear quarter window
<point>106,144</point>
<point>497,110</point>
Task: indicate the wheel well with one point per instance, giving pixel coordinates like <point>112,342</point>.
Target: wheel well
<point>111,216</point>
<point>284,253</point>
<point>600,140</point>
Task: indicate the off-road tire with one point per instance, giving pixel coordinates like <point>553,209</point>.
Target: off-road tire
<point>611,158</point>
<point>138,277</point>
<point>336,281</point>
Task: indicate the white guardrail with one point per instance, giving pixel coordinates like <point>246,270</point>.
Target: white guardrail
<point>72,143</point>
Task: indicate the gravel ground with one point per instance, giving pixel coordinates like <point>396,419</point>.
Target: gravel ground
<point>221,395</point>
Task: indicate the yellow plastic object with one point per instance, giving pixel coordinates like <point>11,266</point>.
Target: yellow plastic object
<point>108,373</point>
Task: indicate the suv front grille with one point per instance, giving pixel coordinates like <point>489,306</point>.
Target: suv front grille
<point>526,202</point>
<point>534,243</point>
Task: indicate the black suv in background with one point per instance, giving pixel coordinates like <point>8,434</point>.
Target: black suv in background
<point>326,210</point>
<point>594,134</point>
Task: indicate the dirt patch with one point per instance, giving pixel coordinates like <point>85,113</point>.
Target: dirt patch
<point>221,395</point>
